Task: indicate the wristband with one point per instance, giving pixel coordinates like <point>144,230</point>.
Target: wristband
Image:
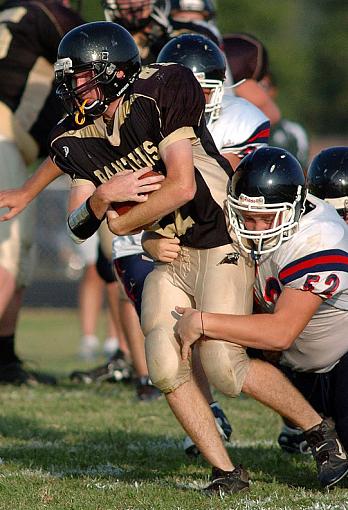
<point>83,223</point>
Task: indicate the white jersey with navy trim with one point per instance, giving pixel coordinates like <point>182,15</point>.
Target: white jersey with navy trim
<point>315,259</point>
<point>241,127</point>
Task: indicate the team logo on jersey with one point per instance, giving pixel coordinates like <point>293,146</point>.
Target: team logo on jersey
<point>230,258</point>
<point>66,150</point>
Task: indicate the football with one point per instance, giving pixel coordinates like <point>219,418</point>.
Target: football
<point>123,207</point>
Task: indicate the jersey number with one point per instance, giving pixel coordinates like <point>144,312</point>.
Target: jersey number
<point>332,281</point>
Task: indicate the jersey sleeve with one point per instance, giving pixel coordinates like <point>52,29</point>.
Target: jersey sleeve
<point>181,105</point>
<point>241,127</point>
<point>322,270</point>
<point>58,151</point>
<point>256,139</point>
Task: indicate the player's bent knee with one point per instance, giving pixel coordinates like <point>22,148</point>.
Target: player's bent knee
<point>225,366</point>
<point>166,369</point>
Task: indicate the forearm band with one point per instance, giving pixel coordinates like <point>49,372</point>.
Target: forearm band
<point>83,223</point>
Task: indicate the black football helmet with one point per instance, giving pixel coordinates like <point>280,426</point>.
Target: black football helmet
<point>269,180</point>
<point>135,15</point>
<point>327,178</point>
<point>206,61</point>
<point>109,52</point>
<point>207,7</point>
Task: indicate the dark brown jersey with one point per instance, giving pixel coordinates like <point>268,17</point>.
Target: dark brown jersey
<point>164,105</point>
<point>30,32</point>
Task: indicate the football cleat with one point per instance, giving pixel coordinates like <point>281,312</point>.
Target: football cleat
<point>145,389</point>
<point>291,440</point>
<point>116,370</point>
<point>228,482</point>
<point>328,452</point>
<point>14,373</point>
<point>222,424</point>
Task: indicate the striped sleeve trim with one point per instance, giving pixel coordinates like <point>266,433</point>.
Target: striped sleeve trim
<point>322,261</point>
<point>259,137</point>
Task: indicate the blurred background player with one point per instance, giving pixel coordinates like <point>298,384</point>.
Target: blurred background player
<point>147,21</point>
<point>194,16</point>
<point>254,81</point>
<point>92,289</point>
<point>286,133</point>
<point>30,34</point>
<point>248,59</point>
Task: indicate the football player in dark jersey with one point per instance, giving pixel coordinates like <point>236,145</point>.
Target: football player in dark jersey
<point>121,119</point>
<point>29,37</point>
<point>148,22</point>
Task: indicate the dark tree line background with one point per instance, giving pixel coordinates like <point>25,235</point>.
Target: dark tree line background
<point>307,42</point>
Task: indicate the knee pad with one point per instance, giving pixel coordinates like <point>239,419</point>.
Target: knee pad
<point>166,369</point>
<point>225,366</point>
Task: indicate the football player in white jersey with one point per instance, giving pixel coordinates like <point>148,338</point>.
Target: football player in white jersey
<point>327,178</point>
<point>236,125</point>
<point>300,248</point>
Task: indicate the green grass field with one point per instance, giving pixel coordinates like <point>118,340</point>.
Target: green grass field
<point>97,448</point>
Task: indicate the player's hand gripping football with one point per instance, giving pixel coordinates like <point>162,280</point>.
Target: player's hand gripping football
<point>130,186</point>
<point>188,328</point>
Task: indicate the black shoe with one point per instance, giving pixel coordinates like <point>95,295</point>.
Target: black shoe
<point>291,440</point>
<point>14,373</point>
<point>222,424</point>
<point>146,391</point>
<point>117,369</point>
<point>328,452</point>
<point>228,482</point>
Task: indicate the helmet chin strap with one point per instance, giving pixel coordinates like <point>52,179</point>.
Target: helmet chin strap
<point>98,108</point>
<point>80,117</point>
